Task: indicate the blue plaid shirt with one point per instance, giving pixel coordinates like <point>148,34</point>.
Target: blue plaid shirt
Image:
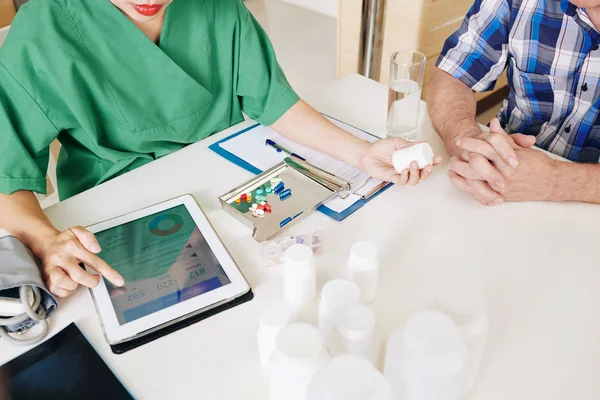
<point>551,50</point>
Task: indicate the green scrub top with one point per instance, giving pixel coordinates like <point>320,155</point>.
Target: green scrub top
<point>80,71</point>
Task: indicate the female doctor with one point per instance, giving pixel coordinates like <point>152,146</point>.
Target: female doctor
<point>123,82</point>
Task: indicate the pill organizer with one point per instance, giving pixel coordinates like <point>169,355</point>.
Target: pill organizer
<point>281,196</point>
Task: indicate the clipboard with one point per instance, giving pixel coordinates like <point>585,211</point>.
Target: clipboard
<point>248,166</point>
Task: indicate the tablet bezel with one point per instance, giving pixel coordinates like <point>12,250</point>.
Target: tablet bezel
<point>116,333</point>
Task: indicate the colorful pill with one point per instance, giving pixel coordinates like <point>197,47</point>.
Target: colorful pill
<point>285,197</point>
<point>260,198</point>
<point>260,207</point>
<point>299,214</point>
<point>259,191</point>
<point>268,210</point>
<point>238,201</point>
<point>249,199</point>
<point>267,207</point>
<point>285,222</point>
<point>243,197</point>
<point>285,192</point>
<point>279,188</point>
<point>268,190</point>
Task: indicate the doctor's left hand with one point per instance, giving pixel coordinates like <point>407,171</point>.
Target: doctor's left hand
<point>377,162</point>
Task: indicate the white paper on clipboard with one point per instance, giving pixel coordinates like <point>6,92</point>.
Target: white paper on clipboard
<point>250,147</point>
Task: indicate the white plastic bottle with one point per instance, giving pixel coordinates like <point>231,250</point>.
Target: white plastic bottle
<point>363,268</point>
<point>349,377</point>
<point>272,321</point>
<point>336,295</point>
<point>426,359</point>
<point>299,275</point>
<point>299,354</point>
<point>465,304</point>
<point>355,334</point>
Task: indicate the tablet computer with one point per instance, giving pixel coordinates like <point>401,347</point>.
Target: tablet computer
<point>174,266</point>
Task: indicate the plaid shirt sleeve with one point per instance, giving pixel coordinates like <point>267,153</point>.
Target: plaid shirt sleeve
<point>476,53</point>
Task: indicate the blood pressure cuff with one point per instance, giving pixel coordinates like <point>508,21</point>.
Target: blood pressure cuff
<point>18,267</point>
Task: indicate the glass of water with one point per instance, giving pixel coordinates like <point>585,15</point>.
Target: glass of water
<point>406,81</point>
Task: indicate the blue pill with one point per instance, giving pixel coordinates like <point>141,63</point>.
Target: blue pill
<point>285,222</point>
<point>259,191</point>
<point>286,196</point>
<point>280,186</point>
<point>285,192</point>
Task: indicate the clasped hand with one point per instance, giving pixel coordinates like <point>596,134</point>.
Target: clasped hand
<point>495,167</point>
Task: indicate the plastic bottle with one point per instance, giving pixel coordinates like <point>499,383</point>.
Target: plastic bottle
<point>363,269</point>
<point>355,334</point>
<point>349,377</point>
<point>426,359</point>
<point>299,354</point>
<point>299,275</point>
<point>464,302</point>
<point>336,295</point>
<point>272,321</point>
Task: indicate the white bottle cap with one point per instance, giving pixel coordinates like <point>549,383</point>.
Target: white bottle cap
<point>433,338</point>
<point>349,377</point>
<point>356,322</point>
<point>422,153</point>
<point>274,318</point>
<point>299,344</point>
<point>298,255</point>
<point>364,253</point>
<point>340,293</point>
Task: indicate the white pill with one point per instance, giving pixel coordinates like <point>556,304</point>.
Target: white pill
<point>260,212</point>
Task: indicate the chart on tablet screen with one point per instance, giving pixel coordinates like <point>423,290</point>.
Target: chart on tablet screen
<point>164,259</point>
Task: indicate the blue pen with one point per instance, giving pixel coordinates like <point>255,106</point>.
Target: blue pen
<point>279,149</point>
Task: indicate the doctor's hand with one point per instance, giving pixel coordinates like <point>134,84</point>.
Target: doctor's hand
<point>63,255</point>
<point>377,162</point>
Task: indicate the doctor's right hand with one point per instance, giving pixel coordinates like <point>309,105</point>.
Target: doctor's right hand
<point>63,259</point>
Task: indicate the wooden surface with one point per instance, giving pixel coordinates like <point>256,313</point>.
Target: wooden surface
<point>422,25</point>
<point>7,12</point>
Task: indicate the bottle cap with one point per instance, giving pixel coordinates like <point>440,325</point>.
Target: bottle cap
<point>298,254</point>
<point>299,344</point>
<point>274,318</point>
<point>433,342</point>
<point>340,293</point>
<point>356,322</point>
<point>364,253</point>
<point>349,377</point>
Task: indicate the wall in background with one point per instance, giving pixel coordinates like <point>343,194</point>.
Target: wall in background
<point>421,25</point>
<point>327,7</point>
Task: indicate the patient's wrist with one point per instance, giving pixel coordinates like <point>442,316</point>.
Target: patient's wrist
<point>464,128</point>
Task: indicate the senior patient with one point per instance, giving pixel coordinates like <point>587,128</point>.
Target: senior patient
<point>551,50</point>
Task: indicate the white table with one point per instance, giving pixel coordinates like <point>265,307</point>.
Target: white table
<point>540,261</point>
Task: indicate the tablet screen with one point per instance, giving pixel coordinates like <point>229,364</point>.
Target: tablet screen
<point>164,260</point>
